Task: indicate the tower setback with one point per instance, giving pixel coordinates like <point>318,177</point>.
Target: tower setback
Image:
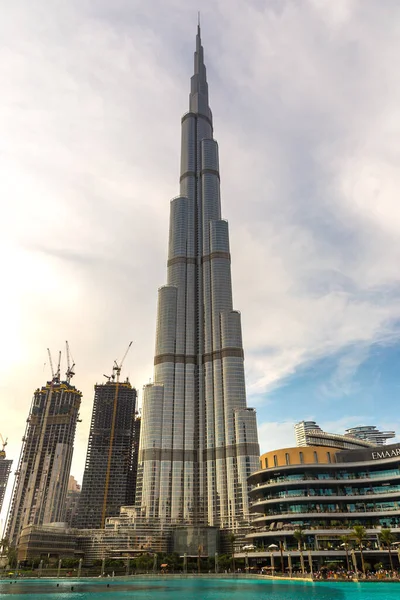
<point>41,482</point>
<point>110,469</point>
<point>199,440</point>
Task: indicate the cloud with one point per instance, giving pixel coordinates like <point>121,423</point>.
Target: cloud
<point>305,97</point>
<point>275,435</point>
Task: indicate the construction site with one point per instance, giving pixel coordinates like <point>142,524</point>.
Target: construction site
<point>110,469</point>
<point>44,465</point>
<point>5,468</point>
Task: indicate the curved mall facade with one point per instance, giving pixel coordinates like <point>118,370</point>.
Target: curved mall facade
<point>325,493</point>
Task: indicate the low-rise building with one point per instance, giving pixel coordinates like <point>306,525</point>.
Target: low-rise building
<point>325,493</point>
<point>52,541</point>
<point>308,433</point>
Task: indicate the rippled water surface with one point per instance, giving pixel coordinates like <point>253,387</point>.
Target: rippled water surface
<point>203,589</point>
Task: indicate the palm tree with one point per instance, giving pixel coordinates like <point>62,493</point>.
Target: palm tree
<point>232,539</point>
<point>282,561</point>
<point>346,540</point>
<point>360,533</point>
<point>300,537</point>
<point>4,544</point>
<point>199,551</point>
<point>386,537</point>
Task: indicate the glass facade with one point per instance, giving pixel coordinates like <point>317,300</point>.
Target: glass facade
<point>327,497</point>
<point>192,540</point>
<point>199,440</point>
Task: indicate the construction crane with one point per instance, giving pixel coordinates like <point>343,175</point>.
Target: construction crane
<point>3,450</point>
<point>116,373</point>
<point>70,368</point>
<point>55,375</point>
<point>117,367</point>
<point>51,363</point>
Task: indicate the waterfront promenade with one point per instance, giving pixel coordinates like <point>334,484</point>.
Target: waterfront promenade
<point>203,587</point>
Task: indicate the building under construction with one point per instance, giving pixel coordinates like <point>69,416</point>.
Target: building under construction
<point>5,468</point>
<point>110,473</point>
<point>41,482</point>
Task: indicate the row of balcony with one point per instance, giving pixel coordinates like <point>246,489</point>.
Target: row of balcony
<point>327,512</point>
<point>328,477</point>
<point>340,494</point>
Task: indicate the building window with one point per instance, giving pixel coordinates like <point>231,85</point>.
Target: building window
<point>275,460</point>
<point>266,463</point>
<point>328,454</point>
<point>315,457</point>
<point>287,457</point>
<point>301,455</point>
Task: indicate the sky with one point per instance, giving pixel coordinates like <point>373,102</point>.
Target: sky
<point>305,96</point>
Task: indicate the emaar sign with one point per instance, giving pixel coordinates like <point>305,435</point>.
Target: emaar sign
<point>385,454</point>
<point>378,453</point>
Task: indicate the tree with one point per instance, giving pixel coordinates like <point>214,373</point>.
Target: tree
<point>232,539</point>
<point>346,541</point>
<point>4,545</point>
<point>70,563</point>
<point>360,533</point>
<point>199,551</point>
<point>224,562</point>
<point>299,536</point>
<point>10,552</point>
<point>386,538</point>
<point>143,562</point>
<point>12,557</point>
<point>282,561</point>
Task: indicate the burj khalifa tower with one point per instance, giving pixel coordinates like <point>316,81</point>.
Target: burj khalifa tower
<point>199,440</point>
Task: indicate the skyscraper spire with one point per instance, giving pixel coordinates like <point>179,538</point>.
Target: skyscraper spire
<point>199,440</point>
<point>199,88</point>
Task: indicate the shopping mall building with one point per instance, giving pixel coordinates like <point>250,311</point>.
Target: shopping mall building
<point>325,492</point>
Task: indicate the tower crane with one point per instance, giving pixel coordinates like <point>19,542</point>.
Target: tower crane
<point>51,363</point>
<point>70,368</point>
<point>58,367</point>
<point>55,375</point>
<point>4,442</point>
<point>117,367</point>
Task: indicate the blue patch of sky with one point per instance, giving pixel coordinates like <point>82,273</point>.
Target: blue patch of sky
<point>322,392</point>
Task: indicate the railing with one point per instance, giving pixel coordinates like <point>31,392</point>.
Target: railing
<point>314,478</point>
<point>339,494</point>
<point>323,512</point>
<point>289,528</point>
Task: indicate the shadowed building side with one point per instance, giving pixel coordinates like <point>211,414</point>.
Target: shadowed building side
<point>109,478</point>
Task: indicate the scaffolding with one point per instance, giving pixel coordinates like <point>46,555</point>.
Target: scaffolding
<point>5,468</point>
<point>109,476</point>
<point>41,479</point>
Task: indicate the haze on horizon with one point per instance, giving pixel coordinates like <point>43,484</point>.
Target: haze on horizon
<point>305,96</point>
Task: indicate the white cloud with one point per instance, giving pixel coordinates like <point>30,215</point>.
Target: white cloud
<point>305,96</point>
<point>275,435</point>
